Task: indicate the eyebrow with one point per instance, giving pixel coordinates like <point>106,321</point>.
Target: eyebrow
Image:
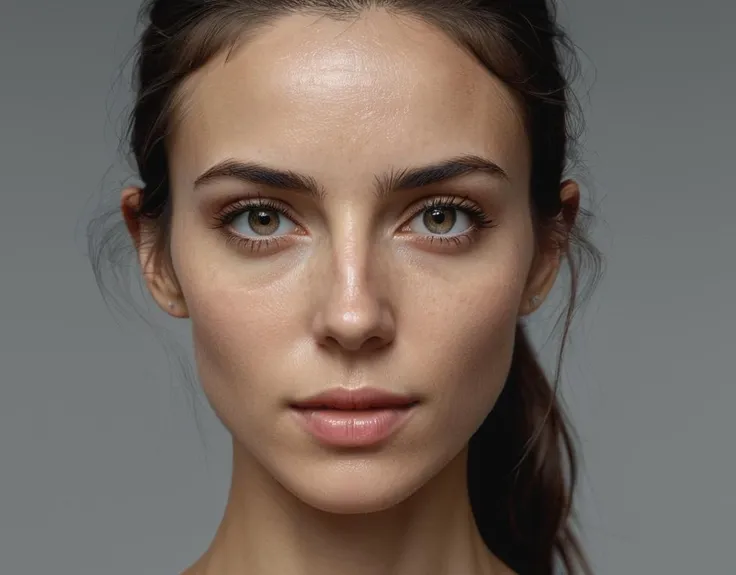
<point>386,184</point>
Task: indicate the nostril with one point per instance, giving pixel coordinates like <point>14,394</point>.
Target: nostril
<point>374,342</point>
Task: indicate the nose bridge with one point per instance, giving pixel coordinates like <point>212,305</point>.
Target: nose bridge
<point>353,276</point>
<point>355,310</point>
<point>352,261</point>
<point>353,294</point>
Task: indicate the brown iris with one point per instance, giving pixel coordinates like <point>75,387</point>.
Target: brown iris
<point>440,220</point>
<point>263,222</point>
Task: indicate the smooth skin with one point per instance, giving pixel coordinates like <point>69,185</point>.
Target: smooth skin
<point>349,287</point>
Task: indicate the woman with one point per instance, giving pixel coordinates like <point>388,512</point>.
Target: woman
<point>357,204</point>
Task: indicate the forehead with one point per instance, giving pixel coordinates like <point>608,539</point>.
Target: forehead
<point>321,95</point>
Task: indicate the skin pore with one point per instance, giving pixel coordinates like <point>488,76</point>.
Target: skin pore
<point>414,290</point>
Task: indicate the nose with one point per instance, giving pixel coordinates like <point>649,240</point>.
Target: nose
<point>353,314</point>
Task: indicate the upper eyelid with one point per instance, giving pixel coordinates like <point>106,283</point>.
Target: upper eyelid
<point>243,206</point>
<point>461,203</point>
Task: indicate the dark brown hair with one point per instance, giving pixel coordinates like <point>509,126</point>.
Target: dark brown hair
<point>522,466</point>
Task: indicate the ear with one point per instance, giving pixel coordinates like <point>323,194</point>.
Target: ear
<point>546,264</point>
<point>161,284</point>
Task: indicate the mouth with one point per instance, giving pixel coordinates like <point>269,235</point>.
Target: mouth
<point>362,399</point>
<point>358,418</point>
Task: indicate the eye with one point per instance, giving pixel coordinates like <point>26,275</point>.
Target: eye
<point>442,221</point>
<point>258,222</point>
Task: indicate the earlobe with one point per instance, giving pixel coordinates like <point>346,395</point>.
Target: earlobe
<point>541,281</point>
<point>177,309</point>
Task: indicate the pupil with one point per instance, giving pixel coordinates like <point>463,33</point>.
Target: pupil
<point>438,216</point>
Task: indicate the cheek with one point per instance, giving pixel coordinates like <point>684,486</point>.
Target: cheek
<point>461,344</point>
<point>237,332</point>
<point>468,346</point>
<point>244,360</point>
<point>240,349</point>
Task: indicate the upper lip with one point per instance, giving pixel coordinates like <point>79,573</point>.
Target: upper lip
<point>362,398</point>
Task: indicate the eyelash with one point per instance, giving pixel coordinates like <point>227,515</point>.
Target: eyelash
<point>226,216</point>
<point>479,220</point>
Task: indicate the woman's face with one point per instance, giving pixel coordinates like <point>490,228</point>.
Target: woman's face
<point>413,290</point>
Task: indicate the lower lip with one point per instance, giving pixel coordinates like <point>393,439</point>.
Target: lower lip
<point>353,428</point>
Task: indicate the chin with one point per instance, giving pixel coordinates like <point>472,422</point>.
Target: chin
<point>353,487</point>
<point>347,500</point>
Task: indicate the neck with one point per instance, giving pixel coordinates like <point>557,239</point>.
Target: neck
<point>267,530</point>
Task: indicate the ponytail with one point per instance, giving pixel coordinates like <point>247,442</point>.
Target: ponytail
<point>518,489</point>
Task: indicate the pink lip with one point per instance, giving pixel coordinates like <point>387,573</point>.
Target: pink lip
<point>353,418</point>
<point>362,398</point>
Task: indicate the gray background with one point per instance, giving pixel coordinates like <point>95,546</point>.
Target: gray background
<point>101,466</point>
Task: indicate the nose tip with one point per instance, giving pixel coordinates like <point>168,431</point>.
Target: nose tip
<point>367,329</point>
